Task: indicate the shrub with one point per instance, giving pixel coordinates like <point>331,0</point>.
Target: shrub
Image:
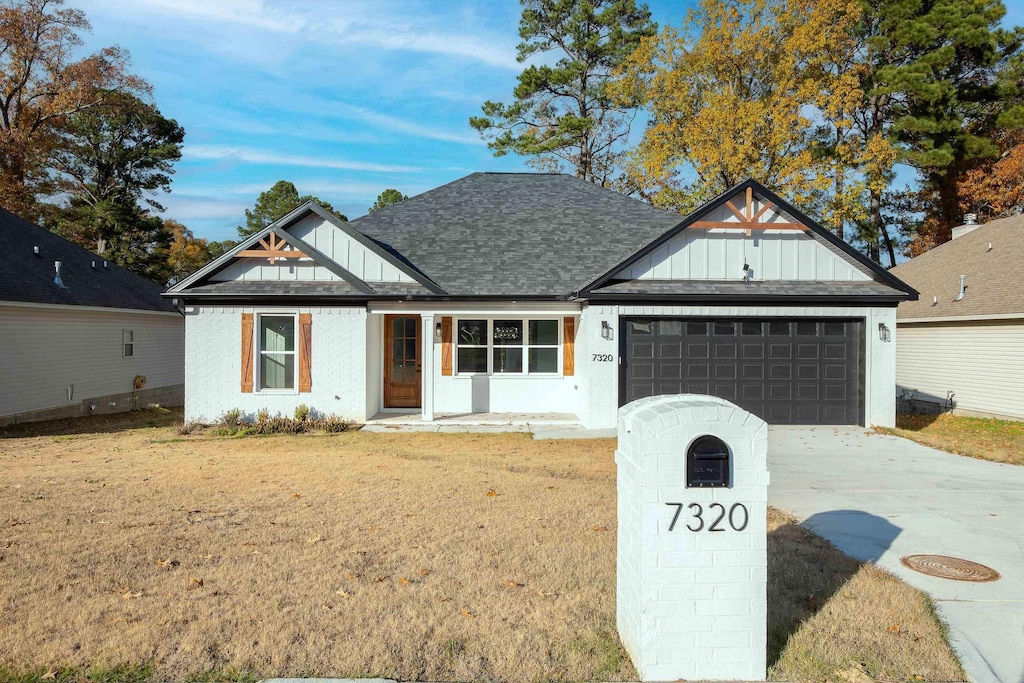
<point>302,412</point>
<point>236,423</point>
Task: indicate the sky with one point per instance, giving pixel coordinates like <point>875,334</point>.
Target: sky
<point>344,98</point>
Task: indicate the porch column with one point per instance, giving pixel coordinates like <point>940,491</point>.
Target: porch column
<point>427,367</point>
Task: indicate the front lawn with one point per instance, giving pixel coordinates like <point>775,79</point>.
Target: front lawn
<point>988,439</point>
<point>135,554</point>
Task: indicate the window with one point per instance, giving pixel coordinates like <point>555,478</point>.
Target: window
<point>507,346</point>
<point>127,343</point>
<point>277,351</point>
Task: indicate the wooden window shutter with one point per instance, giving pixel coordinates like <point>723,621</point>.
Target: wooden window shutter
<point>305,352</point>
<point>247,340</point>
<point>446,346</point>
<point>569,347</point>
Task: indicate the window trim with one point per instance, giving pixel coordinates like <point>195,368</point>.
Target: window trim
<point>257,348</point>
<point>126,342</point>
<point>559,346</point>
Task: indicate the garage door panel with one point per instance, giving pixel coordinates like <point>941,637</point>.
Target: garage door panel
<point>786,371</point>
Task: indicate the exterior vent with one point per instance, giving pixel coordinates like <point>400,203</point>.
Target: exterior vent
<point>970,225</point>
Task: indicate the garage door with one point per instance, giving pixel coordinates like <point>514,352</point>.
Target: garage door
<point>786,371</point>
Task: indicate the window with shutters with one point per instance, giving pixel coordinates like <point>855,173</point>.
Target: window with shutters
<point>277,356</point>
<point>508,346</point>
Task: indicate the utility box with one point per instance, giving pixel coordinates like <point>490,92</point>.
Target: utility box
<point>692,562</point>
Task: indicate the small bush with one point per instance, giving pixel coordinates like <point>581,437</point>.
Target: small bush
<point>236,423</point>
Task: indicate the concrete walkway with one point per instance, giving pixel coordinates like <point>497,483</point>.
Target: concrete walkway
<point>879,498</point>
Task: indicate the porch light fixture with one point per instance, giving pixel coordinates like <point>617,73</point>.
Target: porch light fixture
<point>606,331</point>
<point>747,273</point>
<point>437,332</point>
<point>883,332</point>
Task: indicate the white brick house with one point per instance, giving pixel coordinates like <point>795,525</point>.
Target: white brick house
<point>541,293</point>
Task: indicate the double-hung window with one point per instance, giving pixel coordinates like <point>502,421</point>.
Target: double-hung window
<point>127,343</point>
<point>277,357</point>
<point>507,346</point>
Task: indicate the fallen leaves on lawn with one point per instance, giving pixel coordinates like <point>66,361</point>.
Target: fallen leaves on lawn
<point>403,580</point>
<point>194,583</point>
<point>342,592</point>
<point>599,528</point>
<point>492,493</point>
<point>315,539</point>
<point>512,584</point>
<point>469,614</point>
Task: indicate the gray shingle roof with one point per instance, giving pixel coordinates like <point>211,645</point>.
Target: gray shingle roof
<point>509,234</point>
<point>28,278</point>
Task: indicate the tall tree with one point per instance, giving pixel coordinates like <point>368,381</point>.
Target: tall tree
<point>110,160</point>
<point>387,198</point>
<point>41,85</point>
<point>930,87</point>
<point>731,96</point>
<point>187,253</point>
<point>281,198</point>
<point>563,115</point>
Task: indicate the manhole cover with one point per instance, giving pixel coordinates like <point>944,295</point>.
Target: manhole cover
<point>949,568</point>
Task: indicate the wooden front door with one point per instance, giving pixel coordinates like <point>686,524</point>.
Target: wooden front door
<point>402,364</point>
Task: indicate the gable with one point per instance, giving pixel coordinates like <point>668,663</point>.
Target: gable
<point>745,227</point>
<point>718,253</point>
<point>326,238</point>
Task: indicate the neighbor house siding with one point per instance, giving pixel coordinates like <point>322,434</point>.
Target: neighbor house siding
<point>982,363</point>
<point>213,339</point>
<point>601,383</point>
<point>46,350</point>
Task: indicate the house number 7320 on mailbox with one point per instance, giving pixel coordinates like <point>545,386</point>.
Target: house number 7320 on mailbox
<point>737,517</point>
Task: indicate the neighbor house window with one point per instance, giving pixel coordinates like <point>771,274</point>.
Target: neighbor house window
<point>508,346</point>
<point>128,343</point>
<point>277,351</point>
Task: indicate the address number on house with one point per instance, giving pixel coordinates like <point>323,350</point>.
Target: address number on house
<point>603,357</point>
<point>715,518</point>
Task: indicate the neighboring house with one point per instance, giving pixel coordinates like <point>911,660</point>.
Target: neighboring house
<point>542,293</point>
<point>961,345</point>
<point>80,335</point>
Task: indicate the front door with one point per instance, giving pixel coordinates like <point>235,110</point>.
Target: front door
<point>402,361</point>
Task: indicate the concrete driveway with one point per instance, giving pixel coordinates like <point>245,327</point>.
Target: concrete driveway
<point>879,498</point>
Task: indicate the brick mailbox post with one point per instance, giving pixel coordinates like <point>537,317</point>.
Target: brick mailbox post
<point>692,539</point>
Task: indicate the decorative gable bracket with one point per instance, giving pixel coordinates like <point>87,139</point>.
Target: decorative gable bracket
<point>748,219</point>
<point>274,247</point>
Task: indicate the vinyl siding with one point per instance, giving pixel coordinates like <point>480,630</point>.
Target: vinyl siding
<point>982,363</point>
<point>43,351</point>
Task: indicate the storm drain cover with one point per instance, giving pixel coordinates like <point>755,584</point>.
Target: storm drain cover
<point>949,568</point>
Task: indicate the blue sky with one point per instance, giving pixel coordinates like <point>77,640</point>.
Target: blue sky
<point>343,98</point>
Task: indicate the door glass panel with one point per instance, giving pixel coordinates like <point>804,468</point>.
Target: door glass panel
<point>807,329</point>
<point>777,329</point>
<point>410,327</point>
<point>750,329</point>
<point>398,328</point>
<point>834,329</point>
<point>725,327</point>
<point>696,328</point>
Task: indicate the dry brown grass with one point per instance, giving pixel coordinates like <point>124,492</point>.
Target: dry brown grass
<point>411,556</point>
<point>987,439</point>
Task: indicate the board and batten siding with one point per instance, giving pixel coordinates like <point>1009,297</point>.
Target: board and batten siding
<point>43,351</point>
<point>328,239</point>
<point>719,254</point>
<point>981,362</point>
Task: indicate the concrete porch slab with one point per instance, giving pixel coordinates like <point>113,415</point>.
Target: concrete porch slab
<point>413,418</point>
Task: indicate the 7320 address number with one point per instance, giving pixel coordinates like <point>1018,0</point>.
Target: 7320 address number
<point>603,357</point>
<point>737,517</point>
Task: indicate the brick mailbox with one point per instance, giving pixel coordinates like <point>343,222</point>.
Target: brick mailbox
<point>692,539</point>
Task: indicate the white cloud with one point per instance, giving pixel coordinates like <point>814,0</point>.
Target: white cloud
<point>394,123</point>
<point>185,207</point>
<point>258,156</point>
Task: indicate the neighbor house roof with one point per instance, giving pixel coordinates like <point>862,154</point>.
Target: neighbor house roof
<point>993,285</point>
<point>29,278</point>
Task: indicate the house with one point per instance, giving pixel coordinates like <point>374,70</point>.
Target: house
<point>81,335</point>
<point>542,294</point>
<point>961,345</point>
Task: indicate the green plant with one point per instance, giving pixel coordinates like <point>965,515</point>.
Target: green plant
<point>302,412</point>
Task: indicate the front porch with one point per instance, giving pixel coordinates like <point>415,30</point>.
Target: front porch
<point>541,425</point>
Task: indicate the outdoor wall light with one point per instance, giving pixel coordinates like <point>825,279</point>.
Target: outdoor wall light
<point>883,332</point>
<point>437,332</point>
<point>606,331</point>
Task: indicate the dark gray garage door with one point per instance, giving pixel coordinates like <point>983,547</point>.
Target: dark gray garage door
<point>785,371</point>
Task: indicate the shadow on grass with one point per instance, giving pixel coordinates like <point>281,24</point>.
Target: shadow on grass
<point>805,570</point>
<point>96,424</point>
<point>916,422</point>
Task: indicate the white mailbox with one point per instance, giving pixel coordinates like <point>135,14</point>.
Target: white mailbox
<point>692,539</point>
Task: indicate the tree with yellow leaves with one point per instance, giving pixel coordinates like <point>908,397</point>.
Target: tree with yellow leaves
<point>735,94</point>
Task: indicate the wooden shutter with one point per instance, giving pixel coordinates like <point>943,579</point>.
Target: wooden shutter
<point>569,347</point>
<point>446,346</point>
<point>305,352</point>
<point>247,339</point>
